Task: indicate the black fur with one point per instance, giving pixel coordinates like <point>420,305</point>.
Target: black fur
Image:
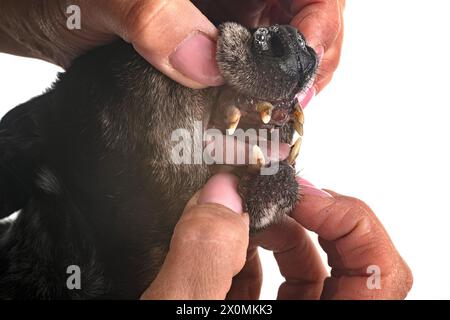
<point>88,166</point>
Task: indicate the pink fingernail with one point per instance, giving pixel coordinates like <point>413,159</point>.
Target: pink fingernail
<point>307,188</point>
<point>320,51</point>
<point>222,189</point>
<point>305,98</point>
<point>195,58</point>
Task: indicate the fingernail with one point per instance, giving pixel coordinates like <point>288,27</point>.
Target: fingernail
<point>305,98</point>
<point>195,58</point>
<point>307,188</point>
<point>222,189</point>
<point>320,51</point>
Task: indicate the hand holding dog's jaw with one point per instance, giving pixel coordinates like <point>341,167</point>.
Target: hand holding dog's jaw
<point>209,245</point>
<point>210,256</point>
<point>353,239</point>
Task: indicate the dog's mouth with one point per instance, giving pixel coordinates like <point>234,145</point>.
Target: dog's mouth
<point>234,111</point>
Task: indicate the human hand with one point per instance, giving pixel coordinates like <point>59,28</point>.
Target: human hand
<point>173,35</point>
<point>351,236</point>
<point>208,247</point>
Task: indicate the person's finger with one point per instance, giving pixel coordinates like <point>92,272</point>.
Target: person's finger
<point>247,13</point>
<point>208,247</point>
<point>319,20</point>
<point>297,258</point>
<point>222,189</point>
<point>173,35</point>
<point>322,24</point>
<point>247,283</point>
<point>328,64</point>
<point>364,261</point>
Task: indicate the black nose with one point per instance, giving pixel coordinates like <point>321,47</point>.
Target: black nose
<point>279,41</point>
<point>281,53</point>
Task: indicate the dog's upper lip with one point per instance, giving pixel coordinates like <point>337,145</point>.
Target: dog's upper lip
<point>275,102</point>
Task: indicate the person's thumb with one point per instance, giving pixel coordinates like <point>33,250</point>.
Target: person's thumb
<point>208,247</point>
<point>174,36</point>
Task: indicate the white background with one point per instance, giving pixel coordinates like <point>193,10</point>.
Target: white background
<point>378,132</point>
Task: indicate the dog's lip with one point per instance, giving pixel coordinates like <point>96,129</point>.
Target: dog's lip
<point>300,96</point>
<point>275,102</point>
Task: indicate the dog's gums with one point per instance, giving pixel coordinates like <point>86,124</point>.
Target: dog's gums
<point>234,111</point>
<point>88,163</point>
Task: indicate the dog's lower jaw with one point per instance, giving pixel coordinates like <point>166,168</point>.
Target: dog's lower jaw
<point>276,197</point>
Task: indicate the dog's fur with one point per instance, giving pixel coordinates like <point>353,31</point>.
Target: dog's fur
<point>88,165</point>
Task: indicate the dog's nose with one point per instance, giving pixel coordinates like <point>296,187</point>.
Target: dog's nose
<point>285,47</point>
<point>269,42</point>
<point>279,41</point>
<point>282,54</point>
<point>262,38</point>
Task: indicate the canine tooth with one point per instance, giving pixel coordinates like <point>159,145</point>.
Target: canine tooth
<point>231,129</point>
<point>265,111</point>
<point>295,150</point>
<point>257,157</point>
<point>298,113</point>
<point>295,137</point>
<point>265,117</point>
<point>298,127</point>
<point>233,118</point>
<point>299,119</point>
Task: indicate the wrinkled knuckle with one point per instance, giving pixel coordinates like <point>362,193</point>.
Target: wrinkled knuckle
<point>358,214</point>
<point>136,17</point>
<point>358,207</point>
<point>212,222</point>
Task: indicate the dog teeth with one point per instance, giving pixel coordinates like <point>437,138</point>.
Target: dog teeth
<point>265,117</point>
<point>233,117</point>
<point>299,128</point>
<point>295,150</point>
<point>257,159</point>
<point>231,130</point>
<point>299,119</point>
<point>265,111</point>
